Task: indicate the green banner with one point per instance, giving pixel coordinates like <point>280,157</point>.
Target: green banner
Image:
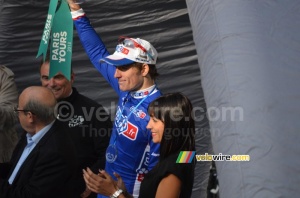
<point>61,42</point>
<point>47,29</point>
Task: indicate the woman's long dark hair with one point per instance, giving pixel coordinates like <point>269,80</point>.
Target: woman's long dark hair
<point>175,110</point>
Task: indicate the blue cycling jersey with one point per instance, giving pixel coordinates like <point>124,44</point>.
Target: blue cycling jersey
<point>136,153</point>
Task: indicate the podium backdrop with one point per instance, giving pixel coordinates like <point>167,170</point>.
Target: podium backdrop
<point>164,23</point>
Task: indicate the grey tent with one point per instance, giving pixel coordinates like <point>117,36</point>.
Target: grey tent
<point>249,57</point>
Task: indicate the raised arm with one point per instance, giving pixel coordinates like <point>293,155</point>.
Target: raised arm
<point>93,44</point>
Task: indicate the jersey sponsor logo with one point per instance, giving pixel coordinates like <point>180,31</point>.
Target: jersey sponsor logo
<point>76,121</point>
<point>141,174</point>
<point>131,131</point>
<point>155,154</point>
<point>120,121</point>
<point>142,170</point>
<point>125,127</point>
<point>140,93</point>
<point>138,113</point>
<point>121,124</point>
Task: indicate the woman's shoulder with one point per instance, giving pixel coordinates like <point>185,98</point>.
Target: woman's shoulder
<point>170,163</point>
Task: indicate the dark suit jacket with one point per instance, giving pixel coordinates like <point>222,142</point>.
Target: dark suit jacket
<point>89,126</point>
<point>47,170</point>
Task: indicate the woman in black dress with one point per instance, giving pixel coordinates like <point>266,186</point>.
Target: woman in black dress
<point>172,125</point>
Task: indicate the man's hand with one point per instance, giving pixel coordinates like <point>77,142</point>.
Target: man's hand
<point>73,6</point>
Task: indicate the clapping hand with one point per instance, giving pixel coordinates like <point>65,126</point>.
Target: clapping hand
<point>101,183</point>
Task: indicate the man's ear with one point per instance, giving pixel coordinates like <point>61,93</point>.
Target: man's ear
<point>145,69</point>
<point>72,77</point>
<point>30,116</point>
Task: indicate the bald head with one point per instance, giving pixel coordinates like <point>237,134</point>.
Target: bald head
<point>41,94</point>
<point>40,101</point>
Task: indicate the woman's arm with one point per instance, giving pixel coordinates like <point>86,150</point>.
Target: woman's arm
<point>169,187</point>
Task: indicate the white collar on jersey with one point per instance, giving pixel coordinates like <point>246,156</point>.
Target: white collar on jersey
<point>142,93</point>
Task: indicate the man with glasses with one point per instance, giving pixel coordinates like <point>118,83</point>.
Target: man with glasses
<point>44,160</point>
<point>131,71</point>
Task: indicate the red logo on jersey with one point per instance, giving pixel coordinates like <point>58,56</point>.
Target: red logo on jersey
<point>142,115</point>
<point>131,131</point>
<point>140,177</point>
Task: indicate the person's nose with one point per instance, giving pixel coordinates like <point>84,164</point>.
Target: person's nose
<point>149,125</point>
<point>51,82</point>
<point>117,73</point>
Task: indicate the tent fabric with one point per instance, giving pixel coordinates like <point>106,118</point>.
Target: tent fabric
<point>164,23</point>
<point>248,53</point>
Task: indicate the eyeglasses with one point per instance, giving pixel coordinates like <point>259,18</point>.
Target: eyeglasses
<point>16,110</point>
<point>128,42</point>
